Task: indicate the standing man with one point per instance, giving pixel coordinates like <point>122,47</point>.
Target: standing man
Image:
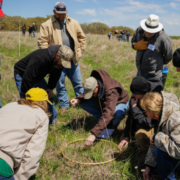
<point>31,70</point>
<point>154,48</point>
<point>34,28</point>
<point>61,29</point>
<point>127,36</point>
<point>105,99</point>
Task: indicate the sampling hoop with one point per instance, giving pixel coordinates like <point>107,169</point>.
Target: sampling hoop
<point>86,163</point>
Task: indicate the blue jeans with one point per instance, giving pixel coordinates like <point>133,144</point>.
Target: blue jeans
<point>34,33</point>
<point>7,178</point>
<point>95,110</point>
<point>74,75</point>
<point>41,84</point>
<point>166,164</point>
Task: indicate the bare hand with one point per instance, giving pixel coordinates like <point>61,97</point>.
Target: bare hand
<point>146,174</point>
<point>151,139</point>
<point>73,102</point>
<point>124,143</point>
<point>90,140</point>
<point>50,93</point>
<point>134,102</point>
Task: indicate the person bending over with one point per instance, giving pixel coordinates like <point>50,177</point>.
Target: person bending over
<point>31,70</point>
<point>164,152</point>
<point>23,132</point>
<point>138,125</point>
<point>105,99</point>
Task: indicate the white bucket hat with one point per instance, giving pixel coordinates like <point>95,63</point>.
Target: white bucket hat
<point>151,24</point>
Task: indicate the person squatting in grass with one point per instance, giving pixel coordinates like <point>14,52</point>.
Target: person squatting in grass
<point>23,132</point>
<point>176,59</point>
<point>138,125</point>
<point>164,151</point>
<point>105,99</point>
<point>154,48</point>
<point>61,29</point>
<point>31,70</point>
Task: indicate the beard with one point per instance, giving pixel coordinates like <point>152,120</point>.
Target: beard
<point>57,66</point>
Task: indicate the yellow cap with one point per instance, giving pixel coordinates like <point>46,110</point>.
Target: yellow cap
<point>37,94</point>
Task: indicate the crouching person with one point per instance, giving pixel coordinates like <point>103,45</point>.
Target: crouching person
<point>31,70</point>
<point>23,132</point>
<point>105,99</point>
<point>165,149</point>
<point>138,125</point>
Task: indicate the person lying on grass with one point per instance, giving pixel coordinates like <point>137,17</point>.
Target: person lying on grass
<point>105,99</point>
<point>31,70</point>
<point>164,152</point>
<point>138,125</point>
<point>23,132</point>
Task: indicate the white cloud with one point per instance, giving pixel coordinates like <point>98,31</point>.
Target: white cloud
<point>80,0</point>
<point>135,6</point>
<point>95,1</point>
<point>175,5</point>
<point>91,12</point>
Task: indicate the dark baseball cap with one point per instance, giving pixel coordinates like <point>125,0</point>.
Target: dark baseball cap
<point>60,8</point>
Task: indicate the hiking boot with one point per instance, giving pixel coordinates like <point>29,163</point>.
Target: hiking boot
<point>62,111</point>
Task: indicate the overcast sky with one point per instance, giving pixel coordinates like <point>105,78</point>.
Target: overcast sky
<point>111,12</point>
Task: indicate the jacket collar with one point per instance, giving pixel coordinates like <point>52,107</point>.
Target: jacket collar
<point>67,18</point>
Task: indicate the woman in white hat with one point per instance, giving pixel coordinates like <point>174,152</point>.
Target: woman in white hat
<point>154,48</point>
<point>23,132</point>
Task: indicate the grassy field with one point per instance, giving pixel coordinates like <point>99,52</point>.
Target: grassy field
<point>118,59</point>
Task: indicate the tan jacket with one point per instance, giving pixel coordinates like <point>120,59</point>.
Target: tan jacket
<point>50,34</point>
<point>168,134</point>
<point>23,134</point>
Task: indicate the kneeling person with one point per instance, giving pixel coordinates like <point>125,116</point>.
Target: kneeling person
<point>138,125</point>
<point>105,99</point>
<point>23,132</point>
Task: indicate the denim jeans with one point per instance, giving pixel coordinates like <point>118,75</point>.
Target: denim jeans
<point>7,178</point>
<point>95,110</point>
<point>34,33</point>
<point>41,84</point>
<point>166,164</point>
<point>74,75</point>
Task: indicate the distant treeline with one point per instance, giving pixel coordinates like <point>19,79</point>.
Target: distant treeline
<point>11,23</point>
<point>175,37</point>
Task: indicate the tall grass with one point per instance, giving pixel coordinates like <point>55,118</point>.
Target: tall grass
<point>118,59</point>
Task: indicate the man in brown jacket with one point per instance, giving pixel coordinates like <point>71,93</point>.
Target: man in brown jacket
<point>61,29</point>
<point>105,99</point>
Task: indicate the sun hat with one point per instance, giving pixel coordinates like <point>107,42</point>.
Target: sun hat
<point>176,58</point>
<point>151,24</point>
<point>66,55</point>
<point>37,94</point>
<point>60,8</point>
<point>89,87</point>
<point>139,85</point>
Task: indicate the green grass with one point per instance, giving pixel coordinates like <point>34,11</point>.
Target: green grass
<point>118,59</point>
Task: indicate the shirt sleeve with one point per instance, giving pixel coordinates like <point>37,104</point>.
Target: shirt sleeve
<point>43,40</point>
<point>33,152</point>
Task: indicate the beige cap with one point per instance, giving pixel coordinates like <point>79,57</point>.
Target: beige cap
<point>66,55</point>
<point>89,87</point>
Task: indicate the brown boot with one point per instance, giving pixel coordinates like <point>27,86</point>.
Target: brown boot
<point>62,111</point>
